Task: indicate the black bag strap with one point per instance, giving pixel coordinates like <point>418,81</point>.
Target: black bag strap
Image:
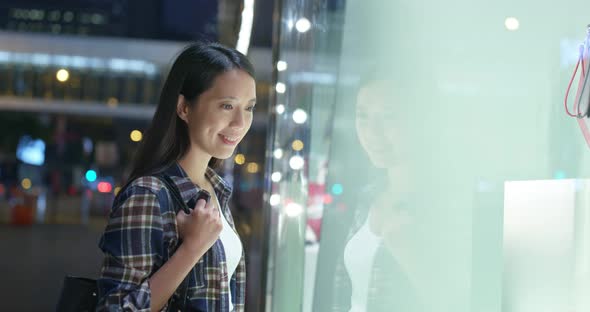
<point>174,192</point>
<point>177,199</point>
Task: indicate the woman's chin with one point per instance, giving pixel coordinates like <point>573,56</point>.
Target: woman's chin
<point>380,162</point>
<point>224,155</point>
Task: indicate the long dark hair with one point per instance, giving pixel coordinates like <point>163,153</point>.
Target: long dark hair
<point>192,73</point>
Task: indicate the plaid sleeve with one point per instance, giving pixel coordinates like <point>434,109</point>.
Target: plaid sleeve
<point>133,247</point>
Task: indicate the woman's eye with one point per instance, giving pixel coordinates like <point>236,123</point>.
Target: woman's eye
<point>227,106</point>
<point>250,109</point>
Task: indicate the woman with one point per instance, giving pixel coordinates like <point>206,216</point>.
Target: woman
<point>150,245</point>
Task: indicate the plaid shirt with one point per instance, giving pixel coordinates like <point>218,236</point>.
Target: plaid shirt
<point>142,234</point>
<point>389,288</point>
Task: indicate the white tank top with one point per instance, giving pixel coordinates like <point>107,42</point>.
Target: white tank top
<point>359,254</point>
<point>232,247</point>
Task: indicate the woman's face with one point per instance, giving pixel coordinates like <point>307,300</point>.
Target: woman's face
<point>376,124</point>
<point>222,115</point>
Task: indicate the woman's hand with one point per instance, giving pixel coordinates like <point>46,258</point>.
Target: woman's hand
<point>201,228</point>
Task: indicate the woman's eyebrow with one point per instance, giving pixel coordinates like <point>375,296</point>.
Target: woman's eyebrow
<point>228,98</point>
<point>234,98</point>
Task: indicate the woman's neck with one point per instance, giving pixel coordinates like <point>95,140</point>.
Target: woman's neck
<point>401,181</point>
<point>195,164</point>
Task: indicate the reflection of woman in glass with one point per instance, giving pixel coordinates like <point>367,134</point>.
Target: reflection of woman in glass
<point>376,259</point>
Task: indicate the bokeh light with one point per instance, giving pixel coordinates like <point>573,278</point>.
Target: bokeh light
<point>297,145</point>
<point>240,159</point>
<point>62,75</point>
<point>26,183</point>
<point>136,135</point>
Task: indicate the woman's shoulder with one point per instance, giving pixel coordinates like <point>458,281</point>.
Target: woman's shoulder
<point>151,183</point>
<point>142,186</point>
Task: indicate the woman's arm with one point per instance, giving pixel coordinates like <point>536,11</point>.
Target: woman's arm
<point>165,281</point>
<point>134,276</point>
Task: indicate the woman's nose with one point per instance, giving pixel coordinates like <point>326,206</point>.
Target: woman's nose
<point>239,120</point>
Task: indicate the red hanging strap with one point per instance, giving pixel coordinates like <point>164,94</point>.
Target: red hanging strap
<point>569,86</point>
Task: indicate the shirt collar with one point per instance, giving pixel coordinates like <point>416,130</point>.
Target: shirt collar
<point>189,190</point>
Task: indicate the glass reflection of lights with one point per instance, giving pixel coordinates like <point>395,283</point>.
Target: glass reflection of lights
<point>275,199</point>
<point>512,23</point>
<point>296,162</point>
<point>281,65</point>
<point>293,210</point>
<point>297,145</point>
<point>337,189</point>
<point>559,174</point>
<point>276,177</point>
<point>299,116</point>
<point>246,26</point>
<point>302,25</point>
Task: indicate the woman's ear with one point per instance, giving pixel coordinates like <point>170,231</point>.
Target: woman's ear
<point>182,108</point>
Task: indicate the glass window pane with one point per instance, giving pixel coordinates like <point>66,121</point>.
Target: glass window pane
<point>438,169</point>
